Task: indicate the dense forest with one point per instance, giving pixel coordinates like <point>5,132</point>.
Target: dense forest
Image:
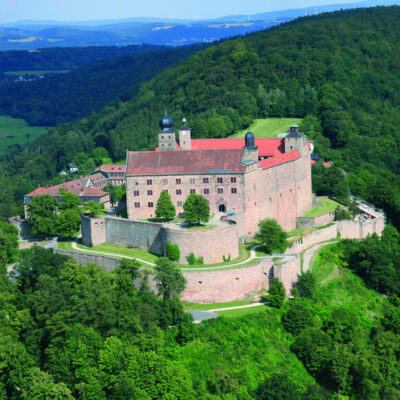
<point>64,97</point>
<point>73,332</point>
<point>56,58</point>
<point>339,70</point>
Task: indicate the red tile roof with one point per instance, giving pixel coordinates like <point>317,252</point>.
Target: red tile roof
<point>267,147</point>
<point>281,159</point>
<point>184,162</point>
<point>112,168</point>
<point>77,186</point>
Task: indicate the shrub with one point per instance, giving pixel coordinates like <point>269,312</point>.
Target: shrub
<point>297,318</point>
<point>173,252</point>
<point>191,259</point>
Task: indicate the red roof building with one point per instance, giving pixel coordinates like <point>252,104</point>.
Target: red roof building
<point>258,177</point>
<point>86,188</point>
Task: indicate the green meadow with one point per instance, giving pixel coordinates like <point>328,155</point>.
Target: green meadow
<point>17,131</point>
<point>269,127</point>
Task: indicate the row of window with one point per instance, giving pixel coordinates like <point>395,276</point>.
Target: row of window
<point>179,191</point>
<point>150,204</point>
<point>192,181</point>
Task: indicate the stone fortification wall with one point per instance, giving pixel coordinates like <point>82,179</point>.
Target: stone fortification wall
<point>236,284</point>
<point>312,222</point>
<point>144,235</point>
<point>211,244</point>
<point>287,271</point>
<point>107,263</point>
<point>93,230</point>
<point>216,286</point>
<point>341,229</point>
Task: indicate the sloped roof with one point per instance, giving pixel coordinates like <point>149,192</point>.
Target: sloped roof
<point>281,159</point>
<point>112,168</point>
<point>184,162</point>
<point>267,147</point>
<point>77,186</point>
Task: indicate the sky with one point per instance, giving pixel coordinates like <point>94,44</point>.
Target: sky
<point>78,10</point>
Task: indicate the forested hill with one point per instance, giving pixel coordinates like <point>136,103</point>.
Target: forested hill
<point>64,97</point>
<point>342,68</point>
<point>56,58</point>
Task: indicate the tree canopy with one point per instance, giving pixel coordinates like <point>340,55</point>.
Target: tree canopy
<point>197,209</point>
<point>165,208</point>
<point>272,236</point>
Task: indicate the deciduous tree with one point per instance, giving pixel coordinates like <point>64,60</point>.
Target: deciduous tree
<point>197,209</point>
<point>272,236</point>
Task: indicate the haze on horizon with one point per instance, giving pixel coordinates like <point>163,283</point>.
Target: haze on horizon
<point>78,10</point>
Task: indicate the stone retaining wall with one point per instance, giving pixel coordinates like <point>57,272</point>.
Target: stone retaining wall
<point>339,230</point>
<point>107,263</point>
<point>217,286</point>
<point>211,244</point>
<point>313,222</point>
<point>141,234</point>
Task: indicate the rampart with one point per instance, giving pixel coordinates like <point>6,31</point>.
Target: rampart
<point>211,244</point>
<point>208,286</point>
<point>93,230</point>
<point>218,285</point>
<point>358,229</point>
<point>141,234</point>
<point>312,222</point>
<point>235,284</point>
<point>107,263</point>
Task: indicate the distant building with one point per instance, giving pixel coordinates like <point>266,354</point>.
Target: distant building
<point>86,188</point>
<point>73,168</point>
<point>114,173</point>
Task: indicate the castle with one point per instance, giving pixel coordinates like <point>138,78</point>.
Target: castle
<point>251,178</point>
<point>248,179</point>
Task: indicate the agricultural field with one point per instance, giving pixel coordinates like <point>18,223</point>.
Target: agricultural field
<point>269,127</point>
<point>17,131</point>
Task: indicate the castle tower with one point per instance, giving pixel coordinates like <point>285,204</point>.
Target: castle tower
<point>166,136</point>
<point>294,140</point>
<point>185,137</point>
<point>250,151</point>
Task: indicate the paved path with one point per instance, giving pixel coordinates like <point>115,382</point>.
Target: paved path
<point>253,255</point>
<point>310,254</point>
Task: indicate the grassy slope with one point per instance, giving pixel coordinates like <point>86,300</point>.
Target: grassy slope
<point>18,128</point>
<point>269,127</point>
<point>327,206</point>
<point>251,343</point>
<point>341,287</point>
<point>251,351</point>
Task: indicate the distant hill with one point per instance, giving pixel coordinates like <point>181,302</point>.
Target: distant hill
<point>304,11</point>
<point>64,97</point>
<point>60,58</point>
<point>29,36</point>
